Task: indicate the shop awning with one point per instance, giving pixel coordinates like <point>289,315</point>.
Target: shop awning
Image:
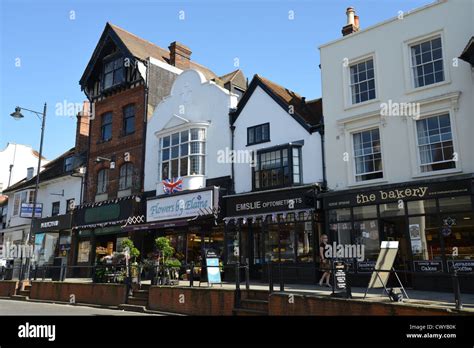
<point>155,225</point>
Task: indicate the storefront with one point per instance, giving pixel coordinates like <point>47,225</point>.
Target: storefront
<point>432,220</point>
<point>189,219</point>
<point>274,226</point>
<point>98,232</point>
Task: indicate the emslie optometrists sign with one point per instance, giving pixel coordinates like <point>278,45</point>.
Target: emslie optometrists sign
<point>180,206</point>
<point>404,193</point>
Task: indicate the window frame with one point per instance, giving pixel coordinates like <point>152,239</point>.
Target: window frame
<point>412,67</point>
<point>113,59</point>
<point>350,65</point>
<point>418,155</point>
<point>354,164</point>
<point>254,129</point>
<point>128,177</point>
<point>104,181</point>
<point>126,118</point>
<point>290,165</point>
<point>54,205</point>
<point>108,124</point>
<point>201,155</point>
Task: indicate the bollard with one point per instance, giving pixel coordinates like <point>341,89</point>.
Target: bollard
<point>270,277</point>
<point>457,291</point>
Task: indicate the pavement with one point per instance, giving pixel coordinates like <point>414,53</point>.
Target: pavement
<point>23,308</point>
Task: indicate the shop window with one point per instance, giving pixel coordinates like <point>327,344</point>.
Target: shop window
<point>367,155</point>
<point>232,244</point>
<point>194,251</point>
<point>183,153</point>
<point>102,181</point>
<point>459,237</point>
<point>128,119</point>
<point>55,208</point>
<point>427,62</point>
<point>106,127</point>
<point>304,239</point>
<point>336,215</point>
<point>287,242</point>
<point>424,237</point>
<point>258,134</point>
<point>126,176</point>
<point>392,209</point>
<point>342,231</point>
<point>366,233</point>
<point>83,251</point>
<point>453,204</point>
<point>271,243</point>
<point>435,143</point>
<point>258,242</point>
<point>277,168</point>
<point>178,242</point>
<point>422,207</point>
<point>365,212</point>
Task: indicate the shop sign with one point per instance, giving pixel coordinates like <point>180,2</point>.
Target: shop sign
<point>179,206</point>
<point>402,193</point>
<point>54,223</point>
<point>26,210</point>
<point>365,266</point>
<point>463,266</point>
<point>428,266</point>
<point>269,202</point>
<point>213,270</point>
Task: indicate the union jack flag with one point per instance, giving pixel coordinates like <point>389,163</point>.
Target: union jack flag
<point>172,186</point>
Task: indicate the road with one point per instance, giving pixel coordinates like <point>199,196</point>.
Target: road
<point>11,307</point>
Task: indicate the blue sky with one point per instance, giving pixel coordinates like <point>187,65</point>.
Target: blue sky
<point>44,47</point>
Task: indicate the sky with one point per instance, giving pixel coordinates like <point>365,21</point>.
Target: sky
<point>45,46</point>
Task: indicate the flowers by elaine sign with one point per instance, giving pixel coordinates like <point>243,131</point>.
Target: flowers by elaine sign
<point>187,205</point>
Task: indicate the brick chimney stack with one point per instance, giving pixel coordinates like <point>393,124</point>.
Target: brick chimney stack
<point>352,22</point>
<point>82,128</point>
<point>180,55</point>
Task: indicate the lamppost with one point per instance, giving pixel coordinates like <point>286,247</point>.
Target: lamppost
<point>17,115</point>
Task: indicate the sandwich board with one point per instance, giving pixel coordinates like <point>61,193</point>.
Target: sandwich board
<point>383,268</point>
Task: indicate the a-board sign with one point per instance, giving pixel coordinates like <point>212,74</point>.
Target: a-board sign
<point>213,270</point>
<point>384,264</point>
<point>339,283</point>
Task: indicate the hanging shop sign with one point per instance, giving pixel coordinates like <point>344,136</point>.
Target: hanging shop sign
<point>26,210</point>
<point>407,192</point>
<point>179,206</point>
<point>273,201</point>
<point>428,266</point>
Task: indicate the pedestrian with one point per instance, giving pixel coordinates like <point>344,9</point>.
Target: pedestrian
<point>325,263</point>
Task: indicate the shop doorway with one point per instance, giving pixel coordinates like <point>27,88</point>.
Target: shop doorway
<point>395,229</point>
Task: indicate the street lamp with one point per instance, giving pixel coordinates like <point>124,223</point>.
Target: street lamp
<point>17,115</point>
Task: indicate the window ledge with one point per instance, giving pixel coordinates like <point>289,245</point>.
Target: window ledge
<point>368,183</point>
<point>438,172</point>
<point>367,102</point>
<point>413,90</point>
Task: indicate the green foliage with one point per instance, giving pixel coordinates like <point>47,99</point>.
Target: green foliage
<point>134,252</point>
<point>164,248</point>
<point>173,263</point>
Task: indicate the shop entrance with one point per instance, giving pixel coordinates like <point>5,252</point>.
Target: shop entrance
<point>395,229</point>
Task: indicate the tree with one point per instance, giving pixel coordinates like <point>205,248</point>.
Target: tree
<point>134,252</point>
<point>165,250</point>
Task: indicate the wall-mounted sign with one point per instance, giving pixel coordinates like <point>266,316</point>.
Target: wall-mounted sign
<point>53,223</point>
<point>463,266</point>
<point>179,206</point>
<point>365,266</point>
<point>26,210</point>
<point>428,266</point>
<point>396,193</point>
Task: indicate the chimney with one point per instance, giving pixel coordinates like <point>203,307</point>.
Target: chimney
<point>29,173</point>
<point>82,129</point>
<point>180,55</point>
<point>352,24</point>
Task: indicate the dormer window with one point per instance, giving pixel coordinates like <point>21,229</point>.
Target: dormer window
<point>113,73</point>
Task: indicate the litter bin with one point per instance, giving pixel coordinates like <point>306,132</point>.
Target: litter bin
<point>8,270</point>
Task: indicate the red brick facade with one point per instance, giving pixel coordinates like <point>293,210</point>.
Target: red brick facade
<point>119,144</point>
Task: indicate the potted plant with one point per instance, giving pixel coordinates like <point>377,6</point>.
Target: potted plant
<point>165,251</point>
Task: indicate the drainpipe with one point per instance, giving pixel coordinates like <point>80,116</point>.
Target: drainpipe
<point>145,123</point>
<point>321,133</point>
<point>232,170</point>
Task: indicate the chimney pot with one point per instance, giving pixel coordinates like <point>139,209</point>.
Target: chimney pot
<point>352,22</point>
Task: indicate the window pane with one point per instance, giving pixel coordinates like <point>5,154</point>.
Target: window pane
<point>422,207</point>
<point>392,209</point>
<point>166,141</point>
<point>365,212</point>
<point>184,136</point>
<point>460,203</point>
<point>183,171</point>
<point>424,237</point>
<point>175,139</point>
<point>362,81</point>
<point>343,214</point>
<point>460,235</point>
<point>366,233</point>
<point>271,243</point>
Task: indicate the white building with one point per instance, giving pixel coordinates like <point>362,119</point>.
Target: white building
<point>186,133</point>
<point>15,159</point>
<point>398,106</point>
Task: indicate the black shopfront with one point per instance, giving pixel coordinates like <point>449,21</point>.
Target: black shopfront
<point>277,227</point>
<point>432,220</point>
